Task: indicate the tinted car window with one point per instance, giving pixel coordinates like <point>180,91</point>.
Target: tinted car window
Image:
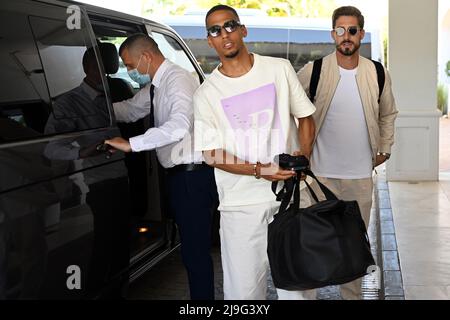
<point>122,72</point>
<point>43,75</point>
<point>73,76</point>
<point>173,51</point>
<point>195,38</point>
<point>24,100</point>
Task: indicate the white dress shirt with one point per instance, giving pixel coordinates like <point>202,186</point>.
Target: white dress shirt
<point>172,136</point>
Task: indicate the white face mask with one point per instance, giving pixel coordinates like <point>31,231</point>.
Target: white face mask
<point>136,76</point>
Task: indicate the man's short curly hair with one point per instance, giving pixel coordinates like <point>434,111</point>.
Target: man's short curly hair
<point>218,8</point>
<point>348,11</point>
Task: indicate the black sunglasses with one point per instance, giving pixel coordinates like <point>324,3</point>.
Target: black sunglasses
<point>340,31</point>
<point>229,26</point>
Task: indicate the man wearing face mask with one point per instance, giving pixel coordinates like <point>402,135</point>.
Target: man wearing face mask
<point>191,184</point>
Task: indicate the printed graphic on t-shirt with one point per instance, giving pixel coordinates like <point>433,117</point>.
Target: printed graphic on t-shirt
<point>256,124</point>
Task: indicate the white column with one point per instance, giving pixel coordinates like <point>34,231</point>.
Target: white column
<point>413,41</point>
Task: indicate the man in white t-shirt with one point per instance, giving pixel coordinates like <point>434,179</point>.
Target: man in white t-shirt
<point>245,114</point>
<point>354,119</point>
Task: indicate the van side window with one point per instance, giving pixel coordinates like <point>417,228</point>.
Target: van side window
<point>175,53</point>
<point>45,86</point>
<point>24,100</point>
<point>73,75</point>
<point>122,72</point>
<point>195,38</point>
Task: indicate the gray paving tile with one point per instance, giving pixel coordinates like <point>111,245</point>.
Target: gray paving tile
<point>393,285</point>
<point>383,194</point>
<point>329,293</point>
<point>387,227</point>
<point>386,215</point>
<point>393,291</point>
<point>388,242</point>
<point>384,203</point>
<point>390,261</point>
<point>394,298</point>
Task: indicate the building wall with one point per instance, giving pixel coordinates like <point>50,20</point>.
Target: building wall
<point>413,52</point>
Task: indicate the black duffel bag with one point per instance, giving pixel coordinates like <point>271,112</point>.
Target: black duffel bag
<point>324,244</point>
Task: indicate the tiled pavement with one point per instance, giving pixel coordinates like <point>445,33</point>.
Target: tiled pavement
<point>168,280</point>
<point>421,216</point>
<point>415,232</point>
<point>392,277</point>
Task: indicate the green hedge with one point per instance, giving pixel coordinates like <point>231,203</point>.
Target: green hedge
<point>442,98</point>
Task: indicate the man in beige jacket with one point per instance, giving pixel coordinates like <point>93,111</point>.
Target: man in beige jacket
<point>354,124</point>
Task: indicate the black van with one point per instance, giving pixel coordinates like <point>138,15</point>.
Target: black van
<point>75,221</point>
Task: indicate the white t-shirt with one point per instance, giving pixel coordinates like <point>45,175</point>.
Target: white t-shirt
<point>342,149</point>
<point>252,117</point>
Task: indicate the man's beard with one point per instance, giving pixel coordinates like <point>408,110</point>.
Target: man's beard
<point>348,51</point>
<point>232,54</point>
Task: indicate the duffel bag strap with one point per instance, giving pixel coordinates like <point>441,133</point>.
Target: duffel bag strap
<point>279,195</point>
<point>285,193</point>
<point>311,192</point>
<point>329,195</point>
<point>292,187</point>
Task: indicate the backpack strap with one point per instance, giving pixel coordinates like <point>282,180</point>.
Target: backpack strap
<point>381,77</point>
<point>315,76</point>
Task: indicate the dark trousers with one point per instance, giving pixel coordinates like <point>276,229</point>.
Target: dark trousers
<point>193,197</point>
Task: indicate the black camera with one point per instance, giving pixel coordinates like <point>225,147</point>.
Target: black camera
<point>288,162</point>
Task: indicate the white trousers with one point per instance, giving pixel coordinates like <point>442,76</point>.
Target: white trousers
<point>243,235</point>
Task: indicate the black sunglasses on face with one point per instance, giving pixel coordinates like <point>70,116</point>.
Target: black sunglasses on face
<point>340,31</point>
<point>229,26</point>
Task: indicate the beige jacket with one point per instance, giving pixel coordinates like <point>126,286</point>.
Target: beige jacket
<point>380,118</point>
